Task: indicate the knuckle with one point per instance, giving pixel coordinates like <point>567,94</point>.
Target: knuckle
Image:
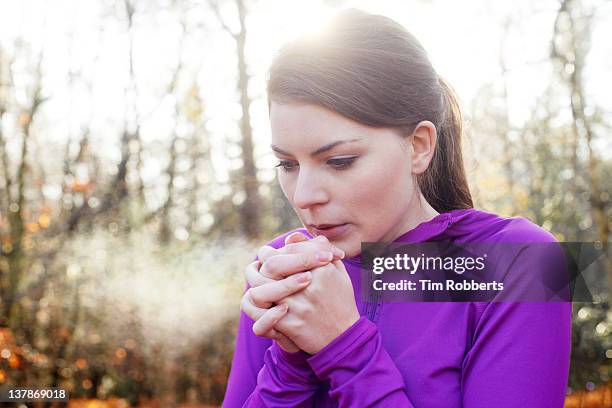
<point>297,280</point>
<point>250,267</point>
<point>253,281</point>
<point>256,297</point>
<point>244,302</point>
<point>288,285</point>
<point>270,268</point>
<point>304,260</point>
<point>265,252</point>
<point>261,253</point>
<point>251,276</point>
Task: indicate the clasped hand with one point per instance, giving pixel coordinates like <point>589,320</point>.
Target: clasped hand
<point>301,295</point>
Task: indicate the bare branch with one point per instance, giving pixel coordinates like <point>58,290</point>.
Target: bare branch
<point>214,5</point>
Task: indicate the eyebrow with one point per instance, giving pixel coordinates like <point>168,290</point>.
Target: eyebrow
<point>318,151</point>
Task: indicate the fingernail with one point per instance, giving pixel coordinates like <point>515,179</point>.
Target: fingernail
<point>324,256</point>
<point>304,277</point>
<point>295,237</point>
<point>283,307</point>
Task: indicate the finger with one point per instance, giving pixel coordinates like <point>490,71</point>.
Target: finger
<point>265,295</point>
<point>338,253</point>
<point>281,266</point>
<point>318,243</point>
<point>282,340</point>
<point>253,277</point>
<point>266,251</point>
<point>275,335</point>
<point>295,237</point>
<point>266,322</point>
<point>249,308</point>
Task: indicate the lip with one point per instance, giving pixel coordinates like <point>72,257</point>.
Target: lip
<point>330,231</point>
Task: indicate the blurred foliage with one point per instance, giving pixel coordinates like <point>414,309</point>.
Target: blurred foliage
<point>121,258</point>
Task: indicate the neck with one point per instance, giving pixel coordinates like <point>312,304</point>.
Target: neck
<point>419,211</point>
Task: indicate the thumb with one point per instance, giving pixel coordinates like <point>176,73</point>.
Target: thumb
<point>295,237</point>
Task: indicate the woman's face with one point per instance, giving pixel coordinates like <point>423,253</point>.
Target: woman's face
<point>345,180</point>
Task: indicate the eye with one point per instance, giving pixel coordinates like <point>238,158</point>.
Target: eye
<point>287,165</point>
<point>341,163</point>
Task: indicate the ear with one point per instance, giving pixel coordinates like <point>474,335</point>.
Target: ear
<point>423,141</point>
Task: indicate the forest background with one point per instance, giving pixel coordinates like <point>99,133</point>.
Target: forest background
<point>136,179</point>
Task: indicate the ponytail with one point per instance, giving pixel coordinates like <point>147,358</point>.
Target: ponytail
<point>444,183</point>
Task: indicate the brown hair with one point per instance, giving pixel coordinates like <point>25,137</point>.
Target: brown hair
<point>371,70</point>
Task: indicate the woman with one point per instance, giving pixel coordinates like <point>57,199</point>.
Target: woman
<point>368,139</point>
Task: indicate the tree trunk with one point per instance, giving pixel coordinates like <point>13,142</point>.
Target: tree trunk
<point>250,209</point>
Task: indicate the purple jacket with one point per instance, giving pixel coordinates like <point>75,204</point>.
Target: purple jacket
<point>421,354</point>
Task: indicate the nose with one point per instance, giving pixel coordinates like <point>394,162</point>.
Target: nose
<point>309,190</point>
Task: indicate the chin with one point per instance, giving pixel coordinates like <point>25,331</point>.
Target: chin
<point>350,249</point>
<point>350,244</point>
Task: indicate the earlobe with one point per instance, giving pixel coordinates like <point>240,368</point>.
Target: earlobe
<point>423,141</point>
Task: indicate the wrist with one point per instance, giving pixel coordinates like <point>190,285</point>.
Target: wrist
<point>340,329</point>
<point>343,347</point>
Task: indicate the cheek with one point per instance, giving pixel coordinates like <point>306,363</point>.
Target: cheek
<point>382,193</point>
<point>286,184</point>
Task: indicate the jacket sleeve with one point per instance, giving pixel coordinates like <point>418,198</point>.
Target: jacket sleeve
<point>520,352</point>
<point>247,361</point>
<point>264,375</point>
<point>285,380</point>
<point>359,369</point>
<point>520,356</point>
